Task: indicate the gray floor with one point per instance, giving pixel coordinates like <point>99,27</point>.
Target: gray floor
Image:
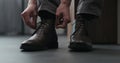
<point>10,53</point>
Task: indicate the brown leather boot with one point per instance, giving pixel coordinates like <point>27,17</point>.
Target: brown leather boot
<point>45,37</point>
<point>80,40</point>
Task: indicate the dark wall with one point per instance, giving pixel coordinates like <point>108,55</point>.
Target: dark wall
<point>107,26</point>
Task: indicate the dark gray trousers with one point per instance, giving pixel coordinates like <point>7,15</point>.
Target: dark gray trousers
<point>93,7</point>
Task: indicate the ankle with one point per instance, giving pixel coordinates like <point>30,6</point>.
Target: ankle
<point>46,15</point>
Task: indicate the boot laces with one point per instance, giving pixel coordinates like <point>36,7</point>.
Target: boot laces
<point>40,26</point>
<point>76,30</point>
<point>74,33</point>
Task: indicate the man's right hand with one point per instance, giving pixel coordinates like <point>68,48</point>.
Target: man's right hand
<point>29,15</point>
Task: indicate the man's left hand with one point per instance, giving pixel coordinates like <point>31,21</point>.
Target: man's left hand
<point>62,16</point>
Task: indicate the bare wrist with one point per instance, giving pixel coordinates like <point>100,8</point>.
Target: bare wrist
<point>32,2</point>
<point>66,2</point>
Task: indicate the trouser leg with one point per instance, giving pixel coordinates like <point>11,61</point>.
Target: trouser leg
<point>48,5</point>
<point>93,7</point>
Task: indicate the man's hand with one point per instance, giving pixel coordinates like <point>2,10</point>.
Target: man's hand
<point>29,15</point>
<point>62,16</point>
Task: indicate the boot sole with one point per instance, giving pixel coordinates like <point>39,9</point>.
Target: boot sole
<point>38,48</point>
<point>80,47</point>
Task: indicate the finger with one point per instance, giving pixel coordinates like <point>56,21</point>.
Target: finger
<point>67,19</point>
<point>34,19</point>
<point>59,25</point>
<point>58,18</point>
<point>27,19</point>
<point>34,22</point>
<point>63,25</point>
<point>57,21</point>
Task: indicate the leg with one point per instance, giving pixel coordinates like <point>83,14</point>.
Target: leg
<point>81,39</point>
<point>45,36</point>
<point>88,11</point>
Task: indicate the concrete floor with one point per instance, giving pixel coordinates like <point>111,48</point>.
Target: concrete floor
<point>10,53</point>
